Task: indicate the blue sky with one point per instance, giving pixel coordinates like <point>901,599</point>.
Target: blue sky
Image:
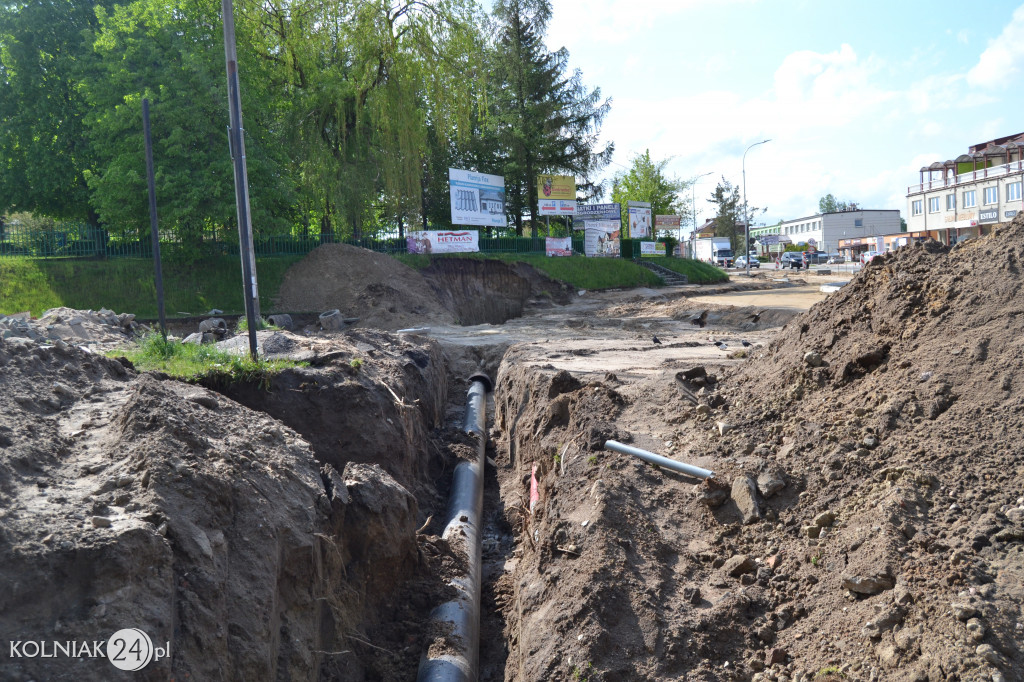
<point>856,97</point>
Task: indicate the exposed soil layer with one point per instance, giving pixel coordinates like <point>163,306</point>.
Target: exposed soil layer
<point>866,515</point>
<point>385,294</point>
<point>133,501</point>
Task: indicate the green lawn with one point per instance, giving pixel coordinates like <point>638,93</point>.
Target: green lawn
<point>126,285</point>
<point>697,271</point>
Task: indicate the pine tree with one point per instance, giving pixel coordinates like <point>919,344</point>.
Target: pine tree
<point>544,120</point>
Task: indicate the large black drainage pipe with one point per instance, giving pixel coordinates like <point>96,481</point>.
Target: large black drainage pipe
<point>453,641</point>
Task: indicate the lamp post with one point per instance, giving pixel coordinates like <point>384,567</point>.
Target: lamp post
<point>693,208</point>
<point>746,213</point>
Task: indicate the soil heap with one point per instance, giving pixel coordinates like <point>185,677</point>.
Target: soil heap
<point>866,517</point>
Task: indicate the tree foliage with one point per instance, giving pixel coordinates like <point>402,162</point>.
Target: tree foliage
<point>645,180</point>
<point>829,204</point>
<point>731,214</point>
<point>353,111</point>
<point>544,119</point>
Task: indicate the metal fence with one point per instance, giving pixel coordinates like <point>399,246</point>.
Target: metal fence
<point>85,241</point>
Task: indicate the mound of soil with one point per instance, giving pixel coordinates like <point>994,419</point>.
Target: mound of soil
<point>372,286</point>
<point>131,501</point>
<point>385,294</point>
<point>866,515</point>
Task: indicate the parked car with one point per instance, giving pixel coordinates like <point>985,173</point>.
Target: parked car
<point>836,259</point>
<point>816,257</point>
<point>792,259</point>
<point>867,256</point>
<point>741,262</point>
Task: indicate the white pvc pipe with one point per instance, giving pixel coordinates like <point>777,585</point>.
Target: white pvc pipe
<point>658,459</point>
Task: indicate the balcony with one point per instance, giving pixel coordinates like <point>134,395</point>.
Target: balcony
<point>973,176</point>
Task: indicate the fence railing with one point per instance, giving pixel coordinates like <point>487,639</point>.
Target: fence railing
<point>84,241</point>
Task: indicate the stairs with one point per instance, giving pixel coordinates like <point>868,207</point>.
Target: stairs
<point>671,277</point>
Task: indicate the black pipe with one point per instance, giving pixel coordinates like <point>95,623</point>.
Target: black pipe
<point>455,625</point>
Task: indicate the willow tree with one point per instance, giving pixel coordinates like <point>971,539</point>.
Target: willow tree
<point>366,80</point>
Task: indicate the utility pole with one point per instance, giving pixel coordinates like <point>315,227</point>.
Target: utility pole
<point>746,213</point>
<point>153,222</point>
<point>236,138</point>
<point>693,207</point>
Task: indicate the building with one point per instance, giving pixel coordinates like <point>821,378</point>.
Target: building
<point>969,195</point>
<point>847,232</point>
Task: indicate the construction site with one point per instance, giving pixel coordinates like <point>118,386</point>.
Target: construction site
<point>458,484</point>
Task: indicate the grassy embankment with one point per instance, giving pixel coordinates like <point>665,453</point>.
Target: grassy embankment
<point>592,273</point>
<point>126,285</point>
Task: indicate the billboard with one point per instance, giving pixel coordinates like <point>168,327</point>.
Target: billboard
<point>587,212</point>
<point>443,241</point>
<point>477,198</point>
<point>639,216</point>
<point>601,237</point>
<point>556,188</point>
<point>558,246</point>
<point>667,222</point>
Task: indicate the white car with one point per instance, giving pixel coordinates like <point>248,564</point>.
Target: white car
<point>741,262</point>
<point>867,256</point>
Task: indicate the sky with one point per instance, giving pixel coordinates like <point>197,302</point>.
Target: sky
<point>854,96</point>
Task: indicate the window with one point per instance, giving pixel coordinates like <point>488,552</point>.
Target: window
<point>933,205</point>
<point>1013,191</point>
<point>970,199</point>
<point>915,207</point>
<point>991,195</point>
<point>950,202</point>
<point>859,222</point>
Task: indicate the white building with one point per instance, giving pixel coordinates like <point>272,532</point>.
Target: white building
<point>831,232</point>
<point>968,196</point>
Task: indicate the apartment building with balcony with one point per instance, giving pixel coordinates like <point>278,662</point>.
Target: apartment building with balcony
<point>969,195</point>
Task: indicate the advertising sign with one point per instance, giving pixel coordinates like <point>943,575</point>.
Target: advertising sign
<point>556,187</point>
<point>639,216</point>
<point>556,207</point>
<point>652,249</point>
<point>477,198</point>
<point>601,238</point>
<point>1009,214</point>
<point>988,216</point>
<point>666,222</point>
<point>598,212</point>
<point>443,241</point>
<point>558,246</point>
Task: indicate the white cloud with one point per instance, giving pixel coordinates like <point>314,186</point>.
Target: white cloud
<point>1003,57</point>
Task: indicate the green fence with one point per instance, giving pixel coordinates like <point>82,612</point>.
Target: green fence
<point>84,241</point>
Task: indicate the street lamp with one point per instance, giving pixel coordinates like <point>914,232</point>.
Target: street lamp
<point>693,208</point>
<point>746,213</point>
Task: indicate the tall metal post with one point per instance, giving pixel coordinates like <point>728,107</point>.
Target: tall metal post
<point>250,293</point>
<point>746,213</point>
<point>153,223</point>
<point>693,206</point>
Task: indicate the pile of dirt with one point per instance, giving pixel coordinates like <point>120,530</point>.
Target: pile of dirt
<point>380,291</point>
<point>128,500</point>
<point>96,329</point>
<point>385,294</point>
<point>866,516</point>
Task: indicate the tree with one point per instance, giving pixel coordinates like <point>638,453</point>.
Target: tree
<point>829,204</point>
<point>646,181</point>
<point>544,121</point>
<point>730,214</point>
<point>45,50</point>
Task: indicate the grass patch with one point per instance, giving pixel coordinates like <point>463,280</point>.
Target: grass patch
<point>261,325</point>
<point>697,272</point>
<point>126,285</point>
<point>579,271</point>
<point>195,362</point>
